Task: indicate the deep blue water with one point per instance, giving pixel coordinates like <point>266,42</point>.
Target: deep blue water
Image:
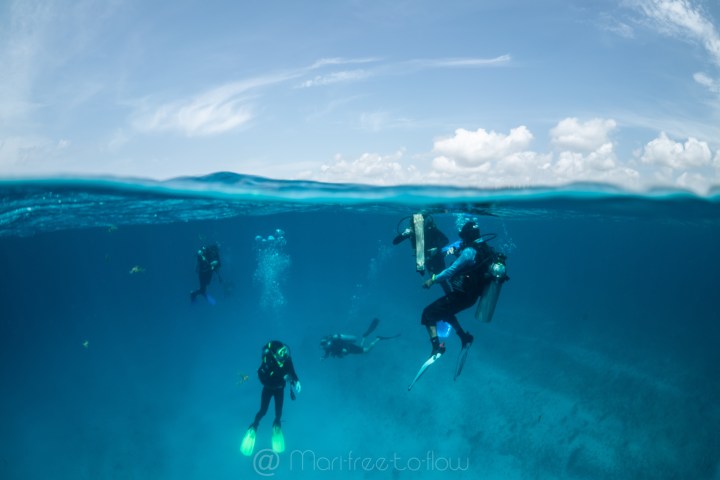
<point>602,360</point>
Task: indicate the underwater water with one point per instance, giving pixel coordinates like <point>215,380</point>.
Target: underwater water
<point>602,360</point>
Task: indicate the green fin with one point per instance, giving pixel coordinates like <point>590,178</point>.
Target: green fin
<point>278,440</point>
<point>248,442</point>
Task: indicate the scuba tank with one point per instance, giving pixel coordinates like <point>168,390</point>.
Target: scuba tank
<point>491,291</point>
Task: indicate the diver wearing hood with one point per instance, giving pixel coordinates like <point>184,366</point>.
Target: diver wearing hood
<point>274,372</point>
<point>467,277</point>
<point>208,262</point>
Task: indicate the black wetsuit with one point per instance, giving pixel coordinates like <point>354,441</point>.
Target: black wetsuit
<point>336,346</point>
<point>435,240</point>
<point>272,375</point>
<point>208,262</point>
<point>467,277</point>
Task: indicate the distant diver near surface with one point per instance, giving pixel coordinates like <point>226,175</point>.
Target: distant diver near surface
<point>276,369</point>
<point>208,262</point>
<point>426,241</point>
<point>340,345</point>
<point>478,272</point>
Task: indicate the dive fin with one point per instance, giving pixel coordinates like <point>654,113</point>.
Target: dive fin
<point>461,360</point>
<point>372,327</point>
<point>423,368</point>
<point>248,442</point>
<point>210,299</point>
<point>388,338</point>
<point>278,440</point>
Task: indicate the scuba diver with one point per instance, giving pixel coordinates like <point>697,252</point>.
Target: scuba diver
<point>427,241</point>
<point>275,371</point>
<point>477,268</point>
<point>208,262</point>
<point>339,345</point>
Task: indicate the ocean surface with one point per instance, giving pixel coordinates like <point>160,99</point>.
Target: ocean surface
<point>602,359</point>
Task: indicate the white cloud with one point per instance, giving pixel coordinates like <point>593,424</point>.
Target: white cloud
<point>707,82</point>
<point>369,168</point>
<point>472,149</point>
<point>571,134</point>
<point>696,181</point>
<point>664,152</point>
<point>336,77</point>
<point>496,160</point>
<point>580,166</point>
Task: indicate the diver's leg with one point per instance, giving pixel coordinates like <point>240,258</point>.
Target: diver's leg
<point>437,310</point>
<point>372,344</point>
<point>460,303</point>
<point>279,394</point>
<point>264,404</point>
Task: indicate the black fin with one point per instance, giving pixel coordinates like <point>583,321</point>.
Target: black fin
<point>388,338</point>
<point>372,327</point>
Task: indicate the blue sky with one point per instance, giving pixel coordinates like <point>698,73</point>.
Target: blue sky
<point>486,93</point>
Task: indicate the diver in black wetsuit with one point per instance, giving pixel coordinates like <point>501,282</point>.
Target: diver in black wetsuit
<point>467,277</point>
<point>208,262</point>
<point>435,240</point>
<point>275,371</point>
<point>340,345</point>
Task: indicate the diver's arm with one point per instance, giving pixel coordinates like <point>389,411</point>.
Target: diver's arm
<point>407,233</point>
<point>294,380</point>
<point>291,371</point>
<point>467,257</point>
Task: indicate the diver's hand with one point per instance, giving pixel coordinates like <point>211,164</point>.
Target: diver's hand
<point>402,236</point>
<point>429,282</point>
<point>294,389</point>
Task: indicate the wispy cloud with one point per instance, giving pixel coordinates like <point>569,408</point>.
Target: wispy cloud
<point>681,18</point>
<point>229,106</point>
<point>21,46</point>
<point>336,77</point>
<point>396,68</point>
<point>215,111</point>
<point>39,39</point>
<point>707,82</point>
<point>323,62</point>
<point>462,62</point>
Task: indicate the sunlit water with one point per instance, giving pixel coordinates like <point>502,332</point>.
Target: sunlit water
<point>602,360</point>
